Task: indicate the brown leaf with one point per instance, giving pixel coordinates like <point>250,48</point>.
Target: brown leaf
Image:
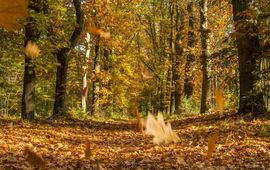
<point>220,100</point>
<point>211,145</point>
<point>11,11</point>
<point>31,50</point>
<point>33,158</point>
<point>87,152</point>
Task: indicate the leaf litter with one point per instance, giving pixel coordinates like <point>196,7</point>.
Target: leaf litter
<point>117,145</point>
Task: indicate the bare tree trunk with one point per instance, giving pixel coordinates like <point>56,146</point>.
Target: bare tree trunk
<point>251,99</point>
<point>205,53</point>
<point>63,58</point>
<point>188,85</point>
<point>85,84</point>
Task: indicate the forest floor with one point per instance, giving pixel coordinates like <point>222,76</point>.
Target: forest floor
<point>243,143</point>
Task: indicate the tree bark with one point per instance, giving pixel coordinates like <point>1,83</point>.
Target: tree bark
<point>179,24</point>
<point>188,84</point>
<point>62,58</point>
<point>96,81</point>
<point>85,67</point>
<point>205,53</point>
<point>251,99</point>
<point>28,96</point>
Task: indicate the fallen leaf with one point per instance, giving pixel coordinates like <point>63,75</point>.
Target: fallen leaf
<point>33,158</point>
<point>181,161</point>
<point>87,152</point>
<point>211,145</point>
<point>99,166</point>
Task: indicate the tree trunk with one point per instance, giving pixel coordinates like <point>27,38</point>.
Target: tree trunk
<point>178,55</point>
<point>251,99</point>
<point>62,58</point>
<point>28,97</point>
<point>188,85</point>
<point>85,84</point>
<point>205,53</point>
<point>96,81</point>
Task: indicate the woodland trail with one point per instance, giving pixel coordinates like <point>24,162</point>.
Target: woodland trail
<point>242,144</point>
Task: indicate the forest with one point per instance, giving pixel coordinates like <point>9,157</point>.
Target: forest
<point>134,84</point>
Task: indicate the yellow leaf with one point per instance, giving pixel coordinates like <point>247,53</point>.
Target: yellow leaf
<point>211,145</point>
<point>31,50</point>
<point>11,11</point>
<point>87,151</point>
<point>33,158</point>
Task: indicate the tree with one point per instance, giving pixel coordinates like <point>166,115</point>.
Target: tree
<point>188,86</point>
<point>96,82</point>
<point>85,84</point>
<point>180,26</point>
<point>31,35</point>
<point>251,98</point>
<point>205,53</point>
<point>63,58</point>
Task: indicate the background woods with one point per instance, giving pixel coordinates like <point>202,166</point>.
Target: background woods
<point>134,84</point>
<point>103,57</point>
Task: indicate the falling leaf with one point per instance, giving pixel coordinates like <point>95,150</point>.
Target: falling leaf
<point>98,32</point>
<point>104,34</point>
<point>139,121</point>
<point>161,132</point>
<point>146,75</point>
<point>220,100</point>
<point>181,161</point>
<point>11,11</point>
<point>94,30</point>
<point>87,151</point>
<point>33,158</point>
<point>211,145</point>
<point>31,50</point>
<point>99,166</point>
